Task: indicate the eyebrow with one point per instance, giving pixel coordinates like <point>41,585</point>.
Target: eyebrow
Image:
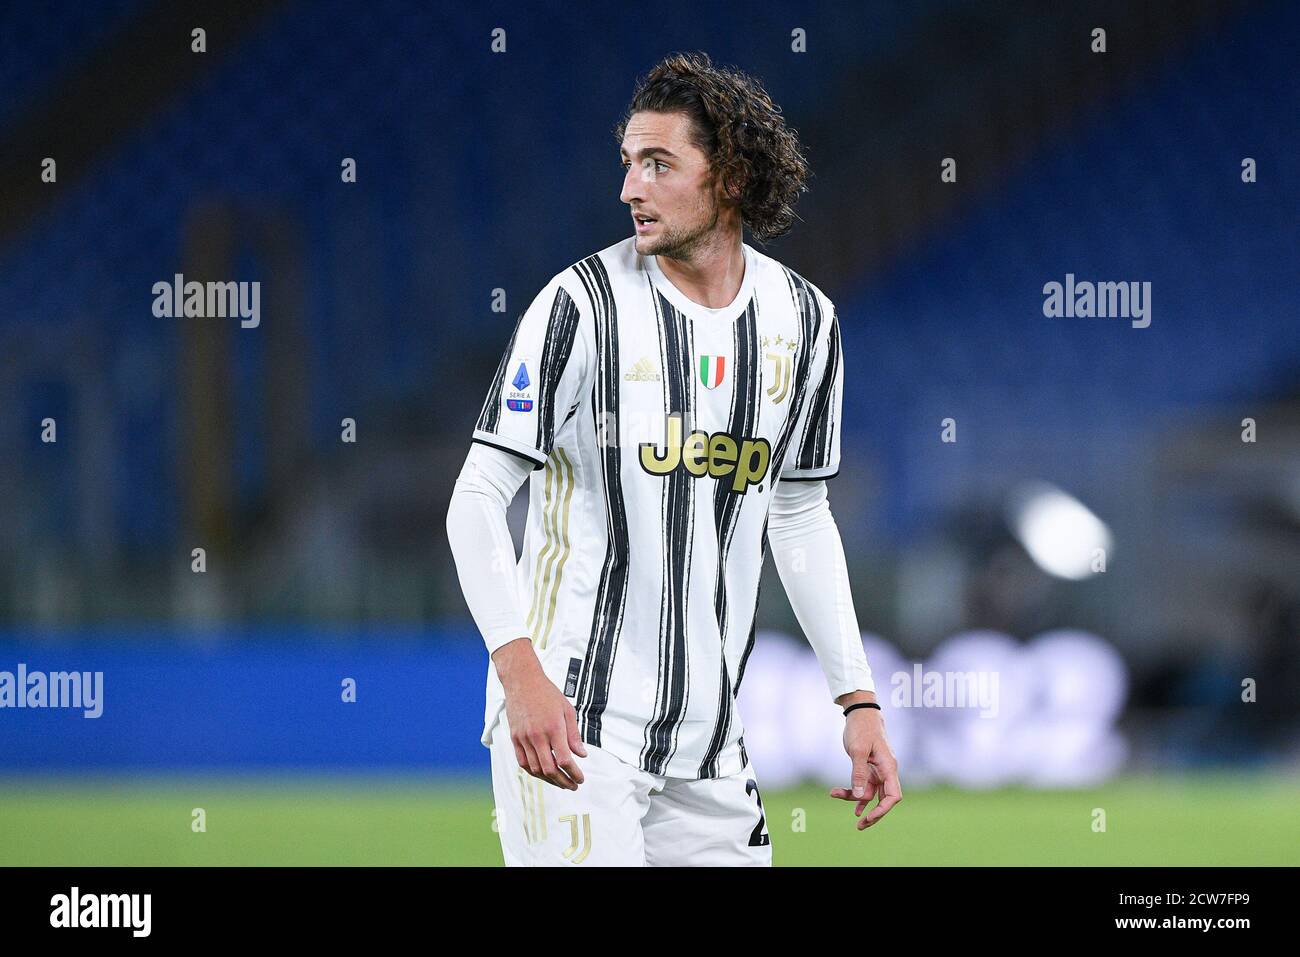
<point>648,150</point>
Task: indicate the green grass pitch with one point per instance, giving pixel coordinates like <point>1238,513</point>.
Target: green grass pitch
<point>1205,819</point>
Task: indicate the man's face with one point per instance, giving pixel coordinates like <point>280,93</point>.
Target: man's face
<point>667,179</point>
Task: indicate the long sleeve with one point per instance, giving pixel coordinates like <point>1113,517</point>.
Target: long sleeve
<point>809,554</point>
<point>481,544</point>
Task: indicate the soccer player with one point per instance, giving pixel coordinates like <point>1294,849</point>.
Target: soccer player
<point>675,401</point>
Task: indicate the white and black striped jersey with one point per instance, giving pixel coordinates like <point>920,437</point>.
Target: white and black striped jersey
<point>658,428</point>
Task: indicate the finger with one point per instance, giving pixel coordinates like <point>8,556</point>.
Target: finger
<point>892,793</point>
<point>861,778</point>
<point>561,780</point>
<point>846,794</point>
<point>540,744</point>
<point>545,743</point>
<point>567,765</point>
<point>576,744</point>
<point>880,811</point>
<point>870,791</point>
<point>532,763</point>
<point>529,762</point>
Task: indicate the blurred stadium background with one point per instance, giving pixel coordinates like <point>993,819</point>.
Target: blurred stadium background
<point>481,171</point>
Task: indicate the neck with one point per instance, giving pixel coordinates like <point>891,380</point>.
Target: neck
<point>712,275</point>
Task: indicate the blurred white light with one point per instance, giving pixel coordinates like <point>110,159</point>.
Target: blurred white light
<point>1058,531</point>
<point>1058,699</point>
<point>1082,684</point>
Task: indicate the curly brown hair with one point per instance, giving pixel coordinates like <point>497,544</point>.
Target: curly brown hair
<point>737,125</point>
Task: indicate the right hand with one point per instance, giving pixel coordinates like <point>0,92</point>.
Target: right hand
<point>543,724</point>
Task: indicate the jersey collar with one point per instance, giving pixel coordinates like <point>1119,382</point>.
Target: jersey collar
<point>692,309</point>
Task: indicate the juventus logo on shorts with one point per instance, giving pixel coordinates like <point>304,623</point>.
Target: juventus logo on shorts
<point>576,853</point>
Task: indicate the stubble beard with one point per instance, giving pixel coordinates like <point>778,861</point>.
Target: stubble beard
<point>683,243</point>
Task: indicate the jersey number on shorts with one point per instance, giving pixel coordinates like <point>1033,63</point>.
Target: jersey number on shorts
<point>757,838</point>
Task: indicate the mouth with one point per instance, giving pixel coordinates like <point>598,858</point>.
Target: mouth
<point>643,223</point>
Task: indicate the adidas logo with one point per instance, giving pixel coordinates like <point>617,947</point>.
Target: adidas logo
<point>643,371</point>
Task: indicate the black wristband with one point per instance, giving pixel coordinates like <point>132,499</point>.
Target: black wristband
<point>861,704</point>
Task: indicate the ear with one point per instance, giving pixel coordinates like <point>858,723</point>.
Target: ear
<point>731,191</point>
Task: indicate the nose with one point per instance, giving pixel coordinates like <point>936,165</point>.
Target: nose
<point>634,188</point>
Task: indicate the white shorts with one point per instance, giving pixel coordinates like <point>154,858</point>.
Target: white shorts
<point>621,816</point>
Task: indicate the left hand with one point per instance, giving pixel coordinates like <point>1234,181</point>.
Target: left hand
<point>875,769</point>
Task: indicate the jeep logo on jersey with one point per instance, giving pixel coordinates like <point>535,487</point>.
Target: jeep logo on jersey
<point>744,458</point>
<point>712,369</point>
